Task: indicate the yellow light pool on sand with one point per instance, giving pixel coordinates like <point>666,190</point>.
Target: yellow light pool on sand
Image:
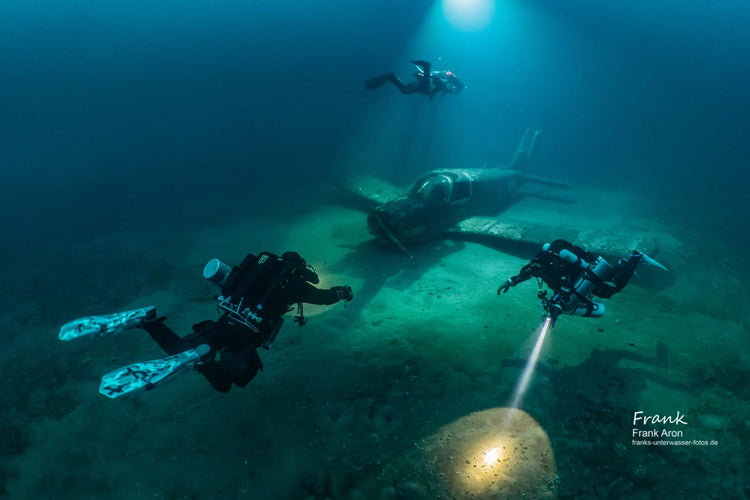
<point>492,455</point>
<point>495,453</point>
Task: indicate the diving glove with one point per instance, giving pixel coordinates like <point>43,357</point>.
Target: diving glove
<point>506,286</point>
<point>344,292</point>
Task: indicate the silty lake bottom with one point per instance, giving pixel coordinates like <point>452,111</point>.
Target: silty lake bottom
<point>376,399</point>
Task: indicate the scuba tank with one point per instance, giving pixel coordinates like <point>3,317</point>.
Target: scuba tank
<point>576,300</point>
<point>260,310</point>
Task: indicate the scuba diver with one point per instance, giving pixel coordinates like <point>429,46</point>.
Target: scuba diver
<point>254,297</point>
<point>576,276</point>
<point>429,83</point>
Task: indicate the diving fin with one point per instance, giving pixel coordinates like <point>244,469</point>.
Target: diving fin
<point>651,262</point>
<point>423,66</point>
<point>108,324</point>
<point>378,81</point>
<point>146,375</point>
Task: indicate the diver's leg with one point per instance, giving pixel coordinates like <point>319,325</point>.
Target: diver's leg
<point>164,336</point>
<point>230,368</point>
<point>411,88</point>
<point>220,374</point>
<point>424,82</point>
<point>378,81</point>
<point>216,376</point>
<point>623,272</point>
<point>243,366</point>
<point>424,65</point>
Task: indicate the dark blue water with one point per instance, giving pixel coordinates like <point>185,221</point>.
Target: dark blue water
<point>148,95</point>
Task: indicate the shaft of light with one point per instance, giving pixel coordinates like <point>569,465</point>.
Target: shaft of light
<point>528,371</point>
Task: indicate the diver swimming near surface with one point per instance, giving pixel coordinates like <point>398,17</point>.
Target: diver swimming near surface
<point>575,277</point>
<point>429,83</point>
<point>254,297</point>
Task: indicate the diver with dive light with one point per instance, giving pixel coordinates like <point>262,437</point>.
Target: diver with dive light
<point>254,297</point>
<point>576,276</point>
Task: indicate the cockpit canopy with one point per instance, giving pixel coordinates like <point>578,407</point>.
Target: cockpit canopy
<point>442,188</point>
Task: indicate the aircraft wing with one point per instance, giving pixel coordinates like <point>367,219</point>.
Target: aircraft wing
<point>601,242</point>
<point>368,187</point>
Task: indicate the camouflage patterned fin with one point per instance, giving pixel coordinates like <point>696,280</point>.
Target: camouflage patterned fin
<point>107,324</point>
<point>146,375</point>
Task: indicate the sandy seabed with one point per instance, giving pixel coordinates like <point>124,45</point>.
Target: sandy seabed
<point>382,397</point>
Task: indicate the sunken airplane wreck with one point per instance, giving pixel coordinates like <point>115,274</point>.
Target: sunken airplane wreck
<point>465,202</point>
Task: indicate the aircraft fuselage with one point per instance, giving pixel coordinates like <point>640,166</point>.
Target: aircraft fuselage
<point>441,198</point>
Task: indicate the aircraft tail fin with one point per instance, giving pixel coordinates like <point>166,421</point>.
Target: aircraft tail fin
<point>525,150</point>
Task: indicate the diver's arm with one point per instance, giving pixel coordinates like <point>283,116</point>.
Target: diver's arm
<point>527,272</point>
<point>310,294</point>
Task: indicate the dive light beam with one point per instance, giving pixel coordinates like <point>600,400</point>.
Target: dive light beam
<point>468,15</point>
<point>528,371</point>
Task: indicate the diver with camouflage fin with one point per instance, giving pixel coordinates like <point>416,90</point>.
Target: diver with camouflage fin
<point>254,297</point>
